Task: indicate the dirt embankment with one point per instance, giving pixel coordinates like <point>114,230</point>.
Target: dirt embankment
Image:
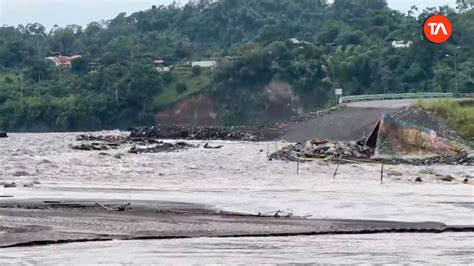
<point>279,104</point>
<point>48,222</point>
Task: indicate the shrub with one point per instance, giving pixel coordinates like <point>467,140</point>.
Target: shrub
<point>8,80</point>
<point>196,70</point>
<point>167,77</point>
<point>181,87</point>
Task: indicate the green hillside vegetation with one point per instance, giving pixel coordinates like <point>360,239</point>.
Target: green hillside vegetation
<point>314,45</point>
<point>192,83</point>
<point>458,116</point>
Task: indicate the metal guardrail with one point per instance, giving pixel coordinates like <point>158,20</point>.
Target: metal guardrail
<point>373,97</point>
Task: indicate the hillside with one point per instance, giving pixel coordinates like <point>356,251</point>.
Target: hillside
<point>311,45</point>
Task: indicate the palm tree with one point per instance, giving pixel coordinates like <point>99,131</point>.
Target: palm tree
<point>340,66</point>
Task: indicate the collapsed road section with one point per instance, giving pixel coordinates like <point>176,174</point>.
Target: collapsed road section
<point>26,223</point>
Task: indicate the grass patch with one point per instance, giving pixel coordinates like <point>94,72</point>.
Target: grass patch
<point>457,116</point>
<point>194,83</point>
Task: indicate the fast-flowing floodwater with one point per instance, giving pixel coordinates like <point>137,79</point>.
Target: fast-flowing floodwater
<point>239,177</point>
<point>433,249</point>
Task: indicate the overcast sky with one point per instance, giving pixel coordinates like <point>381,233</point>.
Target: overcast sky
<point>81,12</point>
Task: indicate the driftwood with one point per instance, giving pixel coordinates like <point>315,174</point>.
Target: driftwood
<point>120,208</point>
<point>207,146</point>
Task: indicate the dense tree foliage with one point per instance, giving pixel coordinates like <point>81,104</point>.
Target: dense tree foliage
<point>313,45</point>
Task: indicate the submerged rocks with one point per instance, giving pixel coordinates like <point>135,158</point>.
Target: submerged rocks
<point>91,147</point>
<point>3,135</point>
<point>163,147</point>
<point>9,185</point>
<point>198,133</point>
<point>104,138</point>
<point>461,158</point>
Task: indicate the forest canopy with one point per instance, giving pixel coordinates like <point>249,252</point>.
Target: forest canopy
<point>314,45</point>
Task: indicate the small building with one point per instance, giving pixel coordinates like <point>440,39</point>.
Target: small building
<point>93,67</point>
<point>160,66</point>
<point>63,61</point>
<point>205,64</point>
<point>401,44</point>
<point>295,41</point>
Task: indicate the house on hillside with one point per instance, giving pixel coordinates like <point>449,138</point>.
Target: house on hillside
<point>397,43</point>
<point>93,67</point>
<point>63,61</point>
<point>160,66</point>
<point>205,64</point>
<point>295,41</point>
<point>401,44</point>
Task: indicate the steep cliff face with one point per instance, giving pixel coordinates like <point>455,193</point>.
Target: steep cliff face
<point>281,103</point>
<point>278,104</point>
<point>197,110</point>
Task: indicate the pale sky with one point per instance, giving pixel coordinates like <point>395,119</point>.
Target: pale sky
<point>82,12</point>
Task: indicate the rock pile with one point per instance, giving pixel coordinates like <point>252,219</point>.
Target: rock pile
<point>197,133</point>
<point>95,146</point>
<point>105,138</point>
<point>109,142</point>
<point>463,158</point>
<point>322,148</point>
<point>356,150</point>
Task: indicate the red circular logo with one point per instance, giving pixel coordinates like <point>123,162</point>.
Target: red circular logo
<point>437,29</point>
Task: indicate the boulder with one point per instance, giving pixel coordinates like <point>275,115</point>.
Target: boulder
<point>353,144</point>
<point>361,141</point>
<point>11,185</point>
<point>357,154</point>
<point>447,178</point>
<point>419,180</point>
<point>394,173</point>
<point>322,148</point>
<point>3,134</point>
<point>331,150</point>
<point>319,141</point>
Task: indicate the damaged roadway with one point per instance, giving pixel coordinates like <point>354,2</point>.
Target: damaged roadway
<point>42,222</point>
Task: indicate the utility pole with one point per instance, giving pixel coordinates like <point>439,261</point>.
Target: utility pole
<point>61,43</point>
<point>456,73</point>
<point>132,54</point>
<point>116,95</point>
<point>455,58</point>
<point>21,93</point>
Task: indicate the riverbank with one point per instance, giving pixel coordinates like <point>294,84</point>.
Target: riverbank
<point>44,222</point>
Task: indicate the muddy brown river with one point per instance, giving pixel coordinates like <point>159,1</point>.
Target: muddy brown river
<point>239,177</point>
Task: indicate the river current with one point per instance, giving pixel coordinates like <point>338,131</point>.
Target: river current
<point>239,177</point>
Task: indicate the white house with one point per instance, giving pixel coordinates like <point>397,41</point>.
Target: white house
<point>160,66</point>
<point>205,64</point>
<point>401,44</point>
